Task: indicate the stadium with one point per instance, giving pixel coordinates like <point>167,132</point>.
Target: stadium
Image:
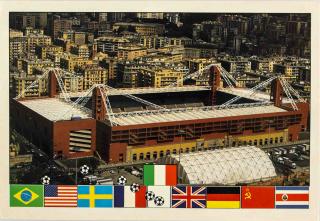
<point>145,124</point>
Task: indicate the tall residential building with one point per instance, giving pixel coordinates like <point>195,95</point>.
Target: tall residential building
<point>80,50</point>
<point>21,83</point>
<point>29,64</point>
<point>110,44</point>
<point>262,64</point>
<point>131,52</point>
<point>236,64</point>
<point>159,77</point>
<point>141,28</point>
<point>42,50</point>
<point>72,62</point>
<point>59,25</point>
<point>150,15</point>
<point>93,74</point>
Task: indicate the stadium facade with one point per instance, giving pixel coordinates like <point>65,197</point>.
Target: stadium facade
<point>193,120</point>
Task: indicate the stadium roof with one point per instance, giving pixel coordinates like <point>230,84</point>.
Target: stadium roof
<point>54,109</point>
<point>227,166</point>
<point>146,90</point>
<point>192,113</point>
<point>246,93</point>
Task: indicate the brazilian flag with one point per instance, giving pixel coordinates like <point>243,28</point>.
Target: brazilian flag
<point>26,195</point>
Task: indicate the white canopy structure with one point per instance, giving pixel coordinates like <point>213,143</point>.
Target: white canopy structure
<point>227,166</point>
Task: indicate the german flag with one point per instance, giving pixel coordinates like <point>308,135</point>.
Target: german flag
<point>223,197</point>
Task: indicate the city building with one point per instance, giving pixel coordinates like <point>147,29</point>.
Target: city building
<point>28,65</point>
<point>71,62</point>
<point>159,77</point>
<point>93,74</point>
<point>80,50</point>
<point>287,68</point>
<point>150,15</point>
<point>78,38</point>
<point>236,64</point>
<point>21,83</point>
<point>141,28</point>
<point>57,25</point>
<point>15,33</point>
<point>111,44</point>
<point>197,64</point>
<point>131,52</point>
<point>42,50</point>
<point>262,64</point>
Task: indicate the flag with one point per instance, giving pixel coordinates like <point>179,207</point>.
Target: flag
<point>161,191</point>
<point>95,196</point>
<point>162,175</point>
<point>26,195</point>
<point>124,197</point>
<point>188,197</point>
<point>292,197</point>
<point>223,197</point>
<point>257,197</point>
<point>60,196</point>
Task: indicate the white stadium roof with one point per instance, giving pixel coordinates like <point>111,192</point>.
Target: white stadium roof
<point>146,90</point>
<point>227,166</point>
<point>246,93</point>
<point>195,113</point>
<point>54,109</point>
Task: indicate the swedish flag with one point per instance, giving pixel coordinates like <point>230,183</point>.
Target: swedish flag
<point>95,196</point>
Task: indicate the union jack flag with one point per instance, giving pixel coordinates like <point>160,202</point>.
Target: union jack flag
<point>188,197</point>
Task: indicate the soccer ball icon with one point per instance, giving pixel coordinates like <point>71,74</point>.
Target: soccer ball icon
<point>45,180</point>
<point>84,170</point>
<point>134,187</point>
<point>159,201</point>
<point>122,180</point>
<point>150,195</point>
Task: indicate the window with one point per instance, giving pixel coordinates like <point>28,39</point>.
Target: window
<point>168,152</point>
<point>134,157</point>
<point>266,141</point>
<point>187,150</point>
<point>281,139</point>
<point>174,151</point>
<point>255,142</point>
<point>260,142</point>
<point>250,142</point>
<point>276,140</point>
<point>161,153</point>
<point>121,157</point>
<point>148,156</point>
<point>155,155</point>
<point>181,150</point>
<point>271,140</point>
<point>193,149</point>
<point>141,156</point>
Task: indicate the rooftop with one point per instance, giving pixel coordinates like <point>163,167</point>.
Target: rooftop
<point>54,109</point>
<point>193,113</point>
<point>147,90</point>
<point>228,166</point>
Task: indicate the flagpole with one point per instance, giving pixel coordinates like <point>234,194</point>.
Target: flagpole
<point>76,171</point>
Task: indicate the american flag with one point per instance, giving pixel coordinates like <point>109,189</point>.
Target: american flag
<point>188,197</point>
<point>60,196</point>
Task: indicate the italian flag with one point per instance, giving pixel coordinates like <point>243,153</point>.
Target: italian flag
<point>160,175</point>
